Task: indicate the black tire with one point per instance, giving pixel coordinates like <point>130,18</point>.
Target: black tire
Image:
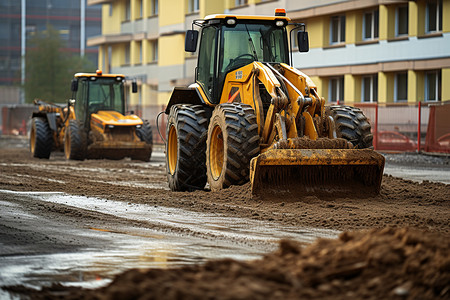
<point>145,134</point>
<point>41,138</point>
<point>75,140</point>
<point>232,142</point>
<point>186,133</point>
<point>352,125</point>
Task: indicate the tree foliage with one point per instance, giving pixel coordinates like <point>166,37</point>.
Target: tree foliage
<point>49,70</point>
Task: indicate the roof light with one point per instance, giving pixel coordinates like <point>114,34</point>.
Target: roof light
<point>99,72</point>
<point>280,12</point>
<point>231,21</point>
<point>279,23</point>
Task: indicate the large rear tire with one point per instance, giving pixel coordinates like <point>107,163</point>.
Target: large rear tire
<point>41,138</point>
<point>75,142</point>
<point>233,141</point>
<point>352,125</point>
<point>185,147</point>
<point>145,134</point>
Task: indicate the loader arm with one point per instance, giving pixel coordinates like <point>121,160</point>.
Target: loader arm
<point>289,112</point>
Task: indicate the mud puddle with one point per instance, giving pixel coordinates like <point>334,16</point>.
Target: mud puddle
<point>129,236</point>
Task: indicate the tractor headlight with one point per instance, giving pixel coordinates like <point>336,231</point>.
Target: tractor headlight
<point>110,126</point>
<point>138,126</point>
<point>279,23</point>
<point>231,21</point>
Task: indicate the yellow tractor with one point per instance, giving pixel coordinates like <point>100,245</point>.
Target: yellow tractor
<point>251,116</point>
<point>93,124</point>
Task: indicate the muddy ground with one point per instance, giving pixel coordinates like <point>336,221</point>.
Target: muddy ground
<point>389,261</point>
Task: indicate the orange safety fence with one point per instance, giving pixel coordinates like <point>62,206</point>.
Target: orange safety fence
<point>395,126</point>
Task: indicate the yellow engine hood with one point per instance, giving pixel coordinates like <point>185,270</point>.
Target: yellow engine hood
<point>115,118</point>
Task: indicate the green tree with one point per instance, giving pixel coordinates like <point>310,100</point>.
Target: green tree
<point>49,70</point>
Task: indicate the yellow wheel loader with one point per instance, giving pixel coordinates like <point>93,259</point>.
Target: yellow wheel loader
<point>251,116</point>
<point>93,124</point>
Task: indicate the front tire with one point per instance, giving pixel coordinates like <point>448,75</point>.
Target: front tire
<point>233,141</point>
<point>41,138</point>
<point>145,134</point>
<point>74,142</point>
<point>352,125</point>
<point>185,147</point>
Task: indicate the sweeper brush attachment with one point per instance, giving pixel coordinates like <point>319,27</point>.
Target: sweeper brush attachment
<point>338,172</point>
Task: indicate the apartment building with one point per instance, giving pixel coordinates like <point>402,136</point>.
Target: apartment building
<point>384,51</point>
<point>20,20</point>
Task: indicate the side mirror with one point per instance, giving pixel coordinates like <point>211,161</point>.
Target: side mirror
<point>74,85</point>
<point>134,87</point>
<point>303,41</point>
<point>190,44</point>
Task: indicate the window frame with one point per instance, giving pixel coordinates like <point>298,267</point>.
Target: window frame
<point>374,23</point>
<point>339,86</point>
<point>154,8</point>
<point>437,87</point>
<point>193,6</point>
<point>127,10</point>
<point>373,93</point>
<point>396,87</point>
<point>438,17</point>
<point>397,21</point>
<point>341,29</point>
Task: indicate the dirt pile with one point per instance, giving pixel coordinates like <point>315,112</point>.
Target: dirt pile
<point>377,264</point>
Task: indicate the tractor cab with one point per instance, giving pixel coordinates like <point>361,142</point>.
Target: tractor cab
<point>231,42</point>
<point>94,92</point>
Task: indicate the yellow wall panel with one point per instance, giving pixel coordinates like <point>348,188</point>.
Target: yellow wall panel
<point>413,18</point>
<point>163,98</point>
<point>318,32</point>
<point>387,22</point>
<point>350,28</point>
<point>349,88</point>
<point>386,87</point>
<point>171,12</point>
<point>445,79</point>
<point>445,15</point>
<point>111,24</point>
<point>412,86</point>
<point>208,7</point>
<point>171,50</point>
<point>118,55</point>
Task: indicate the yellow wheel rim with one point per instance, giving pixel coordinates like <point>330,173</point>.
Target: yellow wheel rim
<point>32,140</point>
<point>67,146</point>
<point>216,153</point>
<point>172,152</point>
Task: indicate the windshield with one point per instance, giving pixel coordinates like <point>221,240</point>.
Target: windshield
<point>106,94</point>
<point>245,43</point>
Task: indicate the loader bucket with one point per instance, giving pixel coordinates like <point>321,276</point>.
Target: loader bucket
<point>335,172</point>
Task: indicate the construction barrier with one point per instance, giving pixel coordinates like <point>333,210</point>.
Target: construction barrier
<point>396,127</point>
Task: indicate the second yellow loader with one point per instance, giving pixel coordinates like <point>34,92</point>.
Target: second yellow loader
<point>251,116</point>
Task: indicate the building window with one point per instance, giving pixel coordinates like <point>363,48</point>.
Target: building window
<point>110,9</point>
<point>127,54</point>
<point>370,25</point>
<point>401,24</point>
<point>154,50</point>
<point>140,5</point>
<point>193,6</point>
<point>127,10</point>
<point>370,88</point>
<point>433,86</point>
<point>401,87</point>
<point>240,2</point>
<point>434,16</point>
<point>139,48</point>
<point>336,89</point>
<point>337,29</point>
<point>154,7</point>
